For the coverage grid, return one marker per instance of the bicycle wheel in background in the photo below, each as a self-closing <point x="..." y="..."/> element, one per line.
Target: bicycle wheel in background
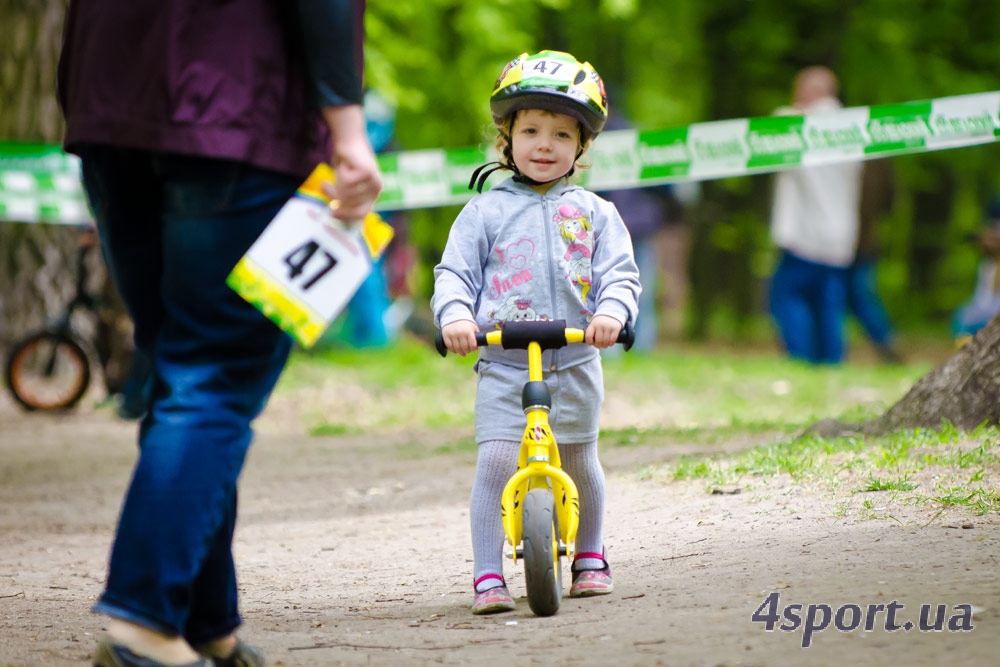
<point x="540" y="540"/>
<point x="47" y="371"/>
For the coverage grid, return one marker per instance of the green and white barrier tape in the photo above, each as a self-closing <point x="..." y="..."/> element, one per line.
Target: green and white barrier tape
<point x="40" y="183"/>
<point x="702" y="151"/>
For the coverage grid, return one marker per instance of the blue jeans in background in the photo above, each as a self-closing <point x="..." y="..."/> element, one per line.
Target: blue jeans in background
<point x="365" y="325"/>
<point x="864" y="303"/>
<point x="809" y="303"/>
<point x="172" y="227"/>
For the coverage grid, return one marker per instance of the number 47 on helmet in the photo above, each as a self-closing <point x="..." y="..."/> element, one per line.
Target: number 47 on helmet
<point x="554" y="81"/>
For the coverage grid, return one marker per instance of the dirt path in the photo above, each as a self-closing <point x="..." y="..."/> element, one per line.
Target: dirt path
<point x="355" y="551"/>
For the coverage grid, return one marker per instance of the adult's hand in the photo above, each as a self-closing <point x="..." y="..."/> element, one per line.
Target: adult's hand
<point x="358" y="179"/>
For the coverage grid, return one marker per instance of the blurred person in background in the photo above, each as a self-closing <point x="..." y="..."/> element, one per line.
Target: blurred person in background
<point x="814" y="224"/>
<point x="984" y="303"/>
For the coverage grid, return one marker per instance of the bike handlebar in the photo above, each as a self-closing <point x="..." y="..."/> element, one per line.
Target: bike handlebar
<point x="550" y="335"/>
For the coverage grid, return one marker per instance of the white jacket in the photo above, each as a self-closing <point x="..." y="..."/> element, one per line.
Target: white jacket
<point x="815" y="210"/>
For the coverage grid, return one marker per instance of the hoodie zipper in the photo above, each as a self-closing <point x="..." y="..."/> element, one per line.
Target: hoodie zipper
<point x="547" y="230"/>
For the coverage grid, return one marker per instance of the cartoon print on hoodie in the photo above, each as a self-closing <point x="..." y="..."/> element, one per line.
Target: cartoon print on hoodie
<point x="577" y="231"/>
<point x="515" y="261"/>
<point x="515" y="309"/>
<point x="523" y="256"/>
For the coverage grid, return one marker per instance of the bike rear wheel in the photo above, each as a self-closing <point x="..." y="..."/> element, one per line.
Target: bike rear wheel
<point x="47" y="371"/>
<point x="540" y="540"/>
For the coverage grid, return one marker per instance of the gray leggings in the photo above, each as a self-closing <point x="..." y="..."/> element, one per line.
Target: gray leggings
<point x="496" y="462"/>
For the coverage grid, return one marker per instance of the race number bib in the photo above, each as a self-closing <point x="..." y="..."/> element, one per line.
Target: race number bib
<point x="306" y="265"/>
<point x="539" y="71"/>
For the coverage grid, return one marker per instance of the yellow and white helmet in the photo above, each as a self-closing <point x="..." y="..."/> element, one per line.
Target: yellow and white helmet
<point x="554" y="81"/>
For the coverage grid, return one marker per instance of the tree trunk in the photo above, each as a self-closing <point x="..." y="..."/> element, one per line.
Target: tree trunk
<point x="34" y="282"/>
<point x="37" y="261"/>
<point x="963" y="391"/>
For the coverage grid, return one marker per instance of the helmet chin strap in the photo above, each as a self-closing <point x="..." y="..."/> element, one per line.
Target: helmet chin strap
<point x="481" y="173"/>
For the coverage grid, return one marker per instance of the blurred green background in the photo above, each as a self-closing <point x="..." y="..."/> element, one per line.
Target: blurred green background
<point x="683" y="61"/>
<point x="667" y="63"/>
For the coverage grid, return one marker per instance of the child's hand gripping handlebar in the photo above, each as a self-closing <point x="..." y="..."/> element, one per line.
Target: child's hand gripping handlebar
<point x="550" y="335"/>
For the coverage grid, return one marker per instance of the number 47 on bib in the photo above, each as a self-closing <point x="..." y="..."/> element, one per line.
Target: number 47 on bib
<point x="306" y="265"/>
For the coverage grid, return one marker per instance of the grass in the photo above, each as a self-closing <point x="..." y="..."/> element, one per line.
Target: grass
<point x="752" y="401"/>
<point x="407" y="386"/>
<point x="900" y="483"/>
<point x="944" y="468"/>
<point x="688" y="393"/>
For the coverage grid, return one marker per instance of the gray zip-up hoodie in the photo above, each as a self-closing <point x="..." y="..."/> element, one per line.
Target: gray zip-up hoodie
<point x="513" y="254"/>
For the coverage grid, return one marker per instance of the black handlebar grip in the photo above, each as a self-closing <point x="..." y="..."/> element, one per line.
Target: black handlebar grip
<point x="627" y="336"/>
<point x="443" y="349"/>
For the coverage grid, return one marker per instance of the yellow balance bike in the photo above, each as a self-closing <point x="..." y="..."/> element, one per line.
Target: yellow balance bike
<point x="540" y="505"/>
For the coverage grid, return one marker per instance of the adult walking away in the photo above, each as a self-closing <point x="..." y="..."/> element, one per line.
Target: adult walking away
<point x="814" y="223"/>
<point x="195" y="122"/>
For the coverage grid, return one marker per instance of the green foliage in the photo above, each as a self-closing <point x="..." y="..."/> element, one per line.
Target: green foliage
<point x="674" y="63"/>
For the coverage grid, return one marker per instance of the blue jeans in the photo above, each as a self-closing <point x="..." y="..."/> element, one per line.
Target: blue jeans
<point x="864" y="303"/>
<point x="809" y="303"/>
<point x="172" y="227"/>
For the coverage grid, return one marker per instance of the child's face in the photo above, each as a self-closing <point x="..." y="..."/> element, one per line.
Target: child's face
<point x="544" y="145"/>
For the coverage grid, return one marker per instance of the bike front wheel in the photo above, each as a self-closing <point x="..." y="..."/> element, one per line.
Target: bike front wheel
<point x="47" y="371"/>
<point x="540" y="540"/>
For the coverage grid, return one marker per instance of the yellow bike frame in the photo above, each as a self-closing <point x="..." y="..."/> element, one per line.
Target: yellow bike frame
<point x="538" y="464"/>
